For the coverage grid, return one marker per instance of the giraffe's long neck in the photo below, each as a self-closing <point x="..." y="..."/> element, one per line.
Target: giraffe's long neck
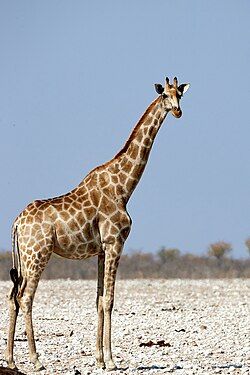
<point x="129" y="164"/>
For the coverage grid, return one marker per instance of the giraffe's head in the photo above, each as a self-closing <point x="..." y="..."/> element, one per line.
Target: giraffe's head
<point x="171" y="95"/>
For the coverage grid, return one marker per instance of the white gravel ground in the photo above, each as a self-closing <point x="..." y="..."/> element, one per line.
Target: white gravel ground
<point x="204" y="325"/>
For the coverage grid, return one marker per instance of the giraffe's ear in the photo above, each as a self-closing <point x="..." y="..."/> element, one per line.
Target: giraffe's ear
<point x="183" y="88"/>
<point x="158" y="88"/>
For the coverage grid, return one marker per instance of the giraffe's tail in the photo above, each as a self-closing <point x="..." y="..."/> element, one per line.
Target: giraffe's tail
<point x="15" y="278"/>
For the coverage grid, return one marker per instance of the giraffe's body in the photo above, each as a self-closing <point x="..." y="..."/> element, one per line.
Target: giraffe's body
<point x="90" y="220"/>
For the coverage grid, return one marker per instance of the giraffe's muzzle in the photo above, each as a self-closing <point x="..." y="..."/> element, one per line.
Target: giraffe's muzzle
<point x="177" y="112"/>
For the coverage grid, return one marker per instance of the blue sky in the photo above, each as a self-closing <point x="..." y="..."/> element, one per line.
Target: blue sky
<point x="75" y="78"/>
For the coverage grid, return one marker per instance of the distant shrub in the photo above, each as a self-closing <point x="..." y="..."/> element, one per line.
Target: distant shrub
<point x="219" y="249"/>
<point x="247" y="243"/>
<point x="168" y="254"/>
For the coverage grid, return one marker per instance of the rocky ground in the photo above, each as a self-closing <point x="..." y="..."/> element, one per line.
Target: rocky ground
<point x="159" y="326"/>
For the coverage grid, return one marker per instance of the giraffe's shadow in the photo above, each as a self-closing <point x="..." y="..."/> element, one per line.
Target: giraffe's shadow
<point x="227" y="366"/>
<point x="153" y="367"/>
<point x="144" y="368"/>
<point x="8" y="371"/>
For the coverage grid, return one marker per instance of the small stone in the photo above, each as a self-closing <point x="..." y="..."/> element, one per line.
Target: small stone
<point x="217" y="370"/>
<point x="203" y="327"/>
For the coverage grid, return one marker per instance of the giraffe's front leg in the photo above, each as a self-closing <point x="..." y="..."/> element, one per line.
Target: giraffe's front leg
<point x="112" y="256"/>
<point x="99" y="305"/>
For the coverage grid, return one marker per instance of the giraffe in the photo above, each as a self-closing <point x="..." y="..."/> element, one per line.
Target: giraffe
<point x="90" y="220"/>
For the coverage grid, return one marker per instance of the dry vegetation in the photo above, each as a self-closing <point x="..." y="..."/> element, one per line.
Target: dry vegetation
<point x="165" y="264"/>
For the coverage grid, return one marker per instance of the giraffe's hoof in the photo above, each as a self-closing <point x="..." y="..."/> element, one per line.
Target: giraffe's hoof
<point x="110" y="365"/>
<point x="12" y="366"/>
<point x="100" y="364"/>
<point x="39" y="366"/>
<point x="10" y="362"/>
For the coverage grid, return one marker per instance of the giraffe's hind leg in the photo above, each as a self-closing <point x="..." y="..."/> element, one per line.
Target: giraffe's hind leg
<point x="26" y="303"/>
<point x="32" y="274"/>
<point x="13" y="313"/>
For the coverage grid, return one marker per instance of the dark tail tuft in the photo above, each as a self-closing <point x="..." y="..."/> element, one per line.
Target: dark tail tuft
<point x="15" y="280"/>
<point x="14" y="276"/>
